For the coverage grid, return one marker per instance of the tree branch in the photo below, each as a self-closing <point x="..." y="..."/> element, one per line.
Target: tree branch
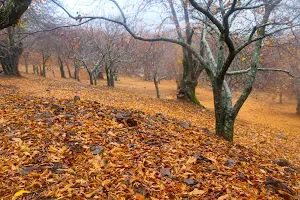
<point x="230" y="73"/>
<point x="155" y="39"/>
<point x="207" y="14"/>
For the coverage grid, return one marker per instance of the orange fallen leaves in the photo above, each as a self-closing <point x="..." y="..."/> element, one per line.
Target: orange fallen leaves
<point x="48" y="151"/>
<point x="196" y="192"/>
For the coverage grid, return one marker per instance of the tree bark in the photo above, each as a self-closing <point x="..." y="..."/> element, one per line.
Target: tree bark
<point x="45" y="59"/>
<point x="12" y="11"/>
<point x="91" y="76"/>
<point x="69" y="71"/>
<point x="189" y="82"/>
<point x="76" y="71"/>
<point x="35" y="70"/>
<point x="223" y="115"/>
<point x="10" y="54"/>
<point x="61" y="67"/>
<point x="95" y="78"/>
<point x="109" y="77"/>
<point x="10" y="61"/>
<point x="156" y="81"/>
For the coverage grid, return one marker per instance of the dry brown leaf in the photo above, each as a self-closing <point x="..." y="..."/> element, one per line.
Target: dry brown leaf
<point x="197" y="192"/>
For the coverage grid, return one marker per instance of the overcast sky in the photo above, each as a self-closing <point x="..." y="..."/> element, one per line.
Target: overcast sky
<point x="151" y="18"/>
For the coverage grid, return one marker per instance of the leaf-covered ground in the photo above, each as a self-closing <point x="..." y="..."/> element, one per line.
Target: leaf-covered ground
<point x="123" y="144"/>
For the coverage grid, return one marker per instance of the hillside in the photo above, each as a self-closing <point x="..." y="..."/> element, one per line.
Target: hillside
<point x="124" y="144"/>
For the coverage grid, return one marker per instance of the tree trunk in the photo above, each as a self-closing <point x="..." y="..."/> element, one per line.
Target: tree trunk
<point x="91" y="76"/>
<point x="61" y="67"/>
<point x="95" y="77"/>
<point x="10" y="61"/>
<point x="224" y="119"/>
<point x="69" y="71"/>
<point x="76" y="71"/>
<point x="34" y="69"/>
<point x="12" y="11"/>
<point x="109" y="77"/>
<point x="43" y="69"/>
<point x="156" y="81"/>
<point x="189" y="80"/>
<point x="10" y="53"/>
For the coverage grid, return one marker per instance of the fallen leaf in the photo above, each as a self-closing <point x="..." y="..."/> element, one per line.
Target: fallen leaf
<point x="223" y="197"/>
<point x="196" y="192"/>
<point x="20" y="193"/>
<point x="191" y="160"/>
<point x="106" y="182"/>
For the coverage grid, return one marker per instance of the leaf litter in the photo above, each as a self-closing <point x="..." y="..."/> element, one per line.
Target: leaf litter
<point x="59" y="148"/>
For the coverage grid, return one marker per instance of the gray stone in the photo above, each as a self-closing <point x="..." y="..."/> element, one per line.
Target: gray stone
<point x="76" y="98"/>
<point x="275" y="185"/>
<point x="190" y="182"/>
<point x="68" y="116"/>
<point x="97" y="150"/>
<point x="230" y="163"/>
<point x="165" y="172"/>
<point x="281" y="137"/>
<point x="242" y="176"/>
<point x="184" y="124"/>
<point x="132" y="145"/>
<point x="101" y="114"/>
<point x="26" y="170"/>
<point x="200" y="158"/>
<point x="282" y="162"/>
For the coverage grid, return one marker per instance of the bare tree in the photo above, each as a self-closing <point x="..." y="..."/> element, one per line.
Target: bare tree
<point x="86" y="51"/>
<point x="152" y="61"/>
<point x="116" y="48"/>
<point x="222" y="20"/>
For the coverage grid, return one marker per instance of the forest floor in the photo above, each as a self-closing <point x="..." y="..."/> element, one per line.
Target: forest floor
<point x="123" y="143"/>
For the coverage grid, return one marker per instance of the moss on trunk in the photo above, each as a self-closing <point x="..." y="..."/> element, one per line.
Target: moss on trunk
<point x="12" y="11"/>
